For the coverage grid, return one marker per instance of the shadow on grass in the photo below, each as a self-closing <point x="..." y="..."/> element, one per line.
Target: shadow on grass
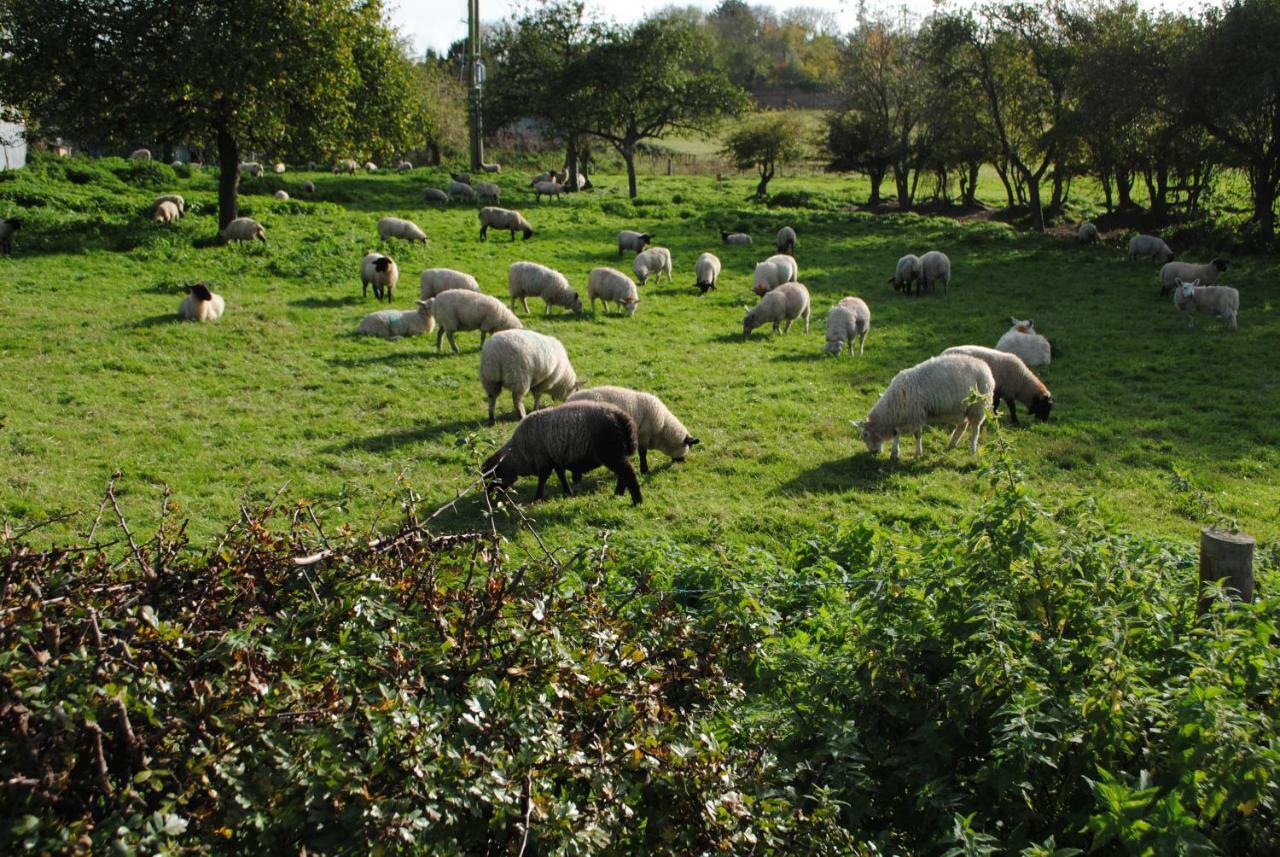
<point x="389" y="357"/>
<point x="401" y="437"/>
<point x="328" y="303"/>
<point x="806" y="357"/>
<point x="860" y="471"/>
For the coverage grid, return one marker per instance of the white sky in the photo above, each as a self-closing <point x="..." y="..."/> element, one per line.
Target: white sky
<point x="438" y="23"/>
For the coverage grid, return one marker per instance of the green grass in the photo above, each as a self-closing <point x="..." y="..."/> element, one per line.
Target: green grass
<point x="281" y="394"/>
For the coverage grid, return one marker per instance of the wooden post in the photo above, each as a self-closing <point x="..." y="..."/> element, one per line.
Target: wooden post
<point x="1224" y="554"/>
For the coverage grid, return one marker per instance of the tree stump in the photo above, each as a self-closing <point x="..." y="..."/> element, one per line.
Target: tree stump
<point x="1226" y="555"/>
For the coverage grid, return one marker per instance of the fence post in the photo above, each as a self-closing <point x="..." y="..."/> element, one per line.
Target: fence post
<point x="1224" y="554"/>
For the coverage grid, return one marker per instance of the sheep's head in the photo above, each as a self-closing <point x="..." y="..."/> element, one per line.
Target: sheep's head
<point x="576" y="304"/>
<point x="681" y="449"/>
<point x="1040" y="406"/>
<point x="501" y="472"/>
<point x="14" y="223"/>
<point x="1220" y="264"/>
<point x="873" y="440"/>
<point x="1185" y="290"/>
<point x="834" y="346"/>
<point x="749" y="322"/>
<point x="382" y="264"/>
<point x="1024" y="326"/>
<point x="528" y="232"/>
<point x="629" y="305"/>
<point x="200" y="291"/>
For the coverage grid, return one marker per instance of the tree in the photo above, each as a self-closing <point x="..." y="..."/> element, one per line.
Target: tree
<point x="858" y="144"/>
<point x="737" y="39"/>
<point x="764" y="142"/>
<point x="307" y="77"/>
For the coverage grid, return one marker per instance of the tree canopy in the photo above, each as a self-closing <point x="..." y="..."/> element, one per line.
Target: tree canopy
<point x="764" y="142"/>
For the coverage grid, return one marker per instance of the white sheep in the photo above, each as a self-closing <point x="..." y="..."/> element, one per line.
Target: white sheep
<point x="523" y="361"/>
<point x="434" y="194"/>
<point x="460" y="309"/>
<point x="201" y="304"/>
<point x="488" y="191"/>
<point x="346" y="165"/>
<point x="652" y="262"/>
<point x="953" y="387"/>
<point x="167" y="212"/>
<point x="775" y="271"/>
<point x="1207" y="274"/>
<point x="397" y="227"/>
<point x="252" y="168"/>
<point x="140" y="155"/>
<point x="786" y="241"/>
<point x="547" y="188"/>
<point x="846" y="321"/>
<point x="656" y="427"/>
<point x="1087" y="233"/>
<point x="404" y="167"/>
<point x="1222" y="301"/>
<point x="491" y="168"/>
<point x="460" y="190"/>
<point x="736" y="239"/>
<point x="935" y="267"/>
<point x="394" y="323"/>
<point x="1022" y="340"/>
<point x="381" y="272"/>
<point x="243" y="229"/>
<point x="503" y="218"/>
<point x="279" y="169"/>
<point x="629" y="239"/>
<point x="784" y="304"/>
<point x="176" y="199"/>
<point x="1014" y="381"/>
<point x="370" y="167"/>
<point x="906" y="273"/>
<point x="464" y="178"/>
<point x="1149" y="245"/>
<point x="437" y="281"/>
<point x="308" y="186"/>
<point x="706" y="271"/>
<point x="281" y="195"/>
<point x="610" y="284"/>
<point x="529" y="279"/>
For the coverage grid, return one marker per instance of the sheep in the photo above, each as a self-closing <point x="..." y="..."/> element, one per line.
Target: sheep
<point x="381" y="272"/>
<point x="1149" y="245"/>
<point x="175" y="163"/>
<point x="786" y="303"/>
<point x="1216" y="300"/>
<point x="706" y="270"/>
<point x="8" y="226"/>
<point x="346" y="165"/>
<point x="200" y="304"/>
<point x="243" y="229"/>
<point x="846" y="321"/>
<point x="176" y="199"/>
<point x="252" y="168"/>
<point x="489" y="191"/>
<point x="906" y="273"/>
<point x="940" y="388"/>
<point x="935" y="267"/>
<point x="575" y="437"/>
<point x="308" y="186"/>
<point x="1207" y="274"/>
<point x="396" y="227"/>
<point x="491" y="168"/>
<point x="437" y="281"/>
<point x="370" y="167"/>
<point x="629" y="239"/>
<point x="786" y="241"/>
<point x="1022" y="340"/>
<point x="166" y="212"/>
<point x="503" y="218"/>
<point x="775" y="271"/>
<point x="523" y="361"/>
<point x="460" y="309"/>
<point x="460" y="190"/>
<point x="140" y="155"/>
<point x="1088" y="233"/>
<point x="656" y="427"/>
<point x="279" y="169"/>
<point x="464" y="178"/>
<point x="529" y="279"/>
<point x="542" y="177"/>
<point x="1014" y="381"/>
<point x="433" y="194"/>
<point x="547" y="188"/>
<point x="652" y="262"/>
<point x="404" y="167"/>
<point x="610" y="284"/>
<point x="394" y="323"/>
<point x="736" y="239"/>
<point x="281" y="195"/>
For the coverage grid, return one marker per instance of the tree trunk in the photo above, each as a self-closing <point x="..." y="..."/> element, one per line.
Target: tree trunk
<point x="766" y="173"/>
<point x="876" y="177"/>
<point x="971" y="189"/>
<point x="1105" y="175"/>
<point x="1264" y="206"/>
<point x="629" y="156"/>
<point x="1003" y="173"/>
<point x="571" y="162"/>
<point x="228" y="177"/>
<point x="1124" y="185"/>
<point x="1033" y="197"/>
<point x="1059" y="174"/>
<point x="902" y="181"/>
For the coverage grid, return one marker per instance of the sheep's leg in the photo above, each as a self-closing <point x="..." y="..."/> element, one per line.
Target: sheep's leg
<point x="1013" y="410"/>
<point x="893" y="454"/>
<point x="644" y="459"/>
<point x="919" y="441"/>
<point x="517" y="397"/>
<point x="452" y="344"/>
<point x="484" y="232"/>
<point x="524" y="301"/>
<point x="975" y="429"/>
<point x="626" y="479"/>
<point x="537" y="400"/>
<point x="492" y="390"/>
<point x="786" y="327"/>
<point x="542" y="483"/>
<point x="365" y="291"/>
<point x="862" y="342"/>
<point x="440" y="340"/>
<point x="564" y="483"/>
<point x="959" y="430"/>
<point x="806" y="328"/>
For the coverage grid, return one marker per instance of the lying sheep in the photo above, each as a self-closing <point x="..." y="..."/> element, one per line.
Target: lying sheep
<point x="166" y="212"/>
<point x="784" y="304"/>
<point x="652" y="262"/>
<point x="1022" y="340"/>
<point x="547" y="188"/>
<point x="251" y="168"/>
<point x="1088" y="233"/>
<point x="8" y="227"/>
<point x="1149" y="245"/>
<point x="575" y="437"/>
<point x="243" y="229"/>
<point x="1222" y="301"/>
<point x="437" y="281"/>
<point x="488" y="191"/>
<point x="935" y="267"/>
<point x="201" y="304"/>
<point x="370" y="167"/>
<point x="140" y="155"/>
<point x="460" y="309"/>
<point x="706" y="271"/>
<point x="382" y="273"/>
<point x="953" y="387"/>
<point x="279" y="169"/>
<point x="394" y="323"/>
<point x="610" y="284"/>
<point x="308" y="186"/>
<point x="503" y="218"/>
<point x="629" y="239"/>
<point x="460" y="190"/>
<point x="281" y="195"/>
<point x="737" y="239"/>
<point x="1207" y="274"/>
<point x="397" y="227"/>
<point x="404" y="167"/>
<point x="176" y="199"/>
<point x="1014" y="381"/>
<point x="529" y="279"/>
<point x="906" y="273"/>
<point x="656" y="427"/>
<point x="433" y="194"/>
<point x="346" y="165"/>
<point x="523" y="361"/>
<point x="786" y="241"/>
<point x="846" y="321"/>
<point x="775" y="271"/>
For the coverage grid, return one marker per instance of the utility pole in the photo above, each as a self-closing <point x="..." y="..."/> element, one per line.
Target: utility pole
<point x="475" y="79"/>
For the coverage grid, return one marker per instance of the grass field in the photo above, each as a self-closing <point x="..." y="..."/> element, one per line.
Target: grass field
<point x="1159" y="424"/>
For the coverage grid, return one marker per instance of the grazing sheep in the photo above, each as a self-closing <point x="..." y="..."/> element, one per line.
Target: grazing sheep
<point x="404" y="167"/>
<point x="503" y="218"/>
<point x="460" y="190"/>
<point x="706" y="271"/>
<point x="1207" y="274"/>
<point x="381" y="272"/>
<point x="775" y="271"/>
<point x="308" y="186"/>
<point x="167" y="212"/>
<point x="786" y="303"/>
<point x="7" y="227"/>
<point x="464" y="178"/>
<point x="140" y="155"/>
<point x="1014" y="381"/>
<point x="394" y="323"/>
<point x="652" y="262"/>
<point x="907" y="272"/>
<point x="547" y="188"/>
<point x="396" y="227"/>
<point x="523" y="361"/>
<point x="433" y="194"/>
<point x="1149" y="245"/>
<point x="488" y="191"/>
<point x="529" y="279"/>
<point x="656" y="427"/>
<point x="460" y="309"/>
<point x="1216" y="300"/>
<point x="1022" y="340"/>
<point x="786" y="241"/>
<point x="491" y="168"/>
<point x="279" y="168"/>
<point x="200" y="304"/>
<point x="737" y="239"/>
<point x="575" y="437"/>
<point x="846" y="321"/>
<point x="610" y="284"/>
<point x="1088" y="233"/>
<point x="370" y="167"/>
<point x="243" y="229"/>
<point x="346" y="165"/>
<point x="629" y="239"/>
<point x="939" y="389"/>
<point x="281" y="195"/>
<point x="437" y="281"/>
<point x="252" y="168"/>
<point x="935" y="267"/>
<point x="176" y="199"/>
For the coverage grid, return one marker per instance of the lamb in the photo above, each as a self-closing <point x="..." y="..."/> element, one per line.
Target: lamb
<point x="907" y="272"/>
<point x="629" y="239"/>
<point x="140" y="155"/>
<point x="252" y="168"/>
<point x="1014" y="381"/>
<point x="848" y="320"/>
<point x="610" y="284"/>
<point x="547" y="188"/>
<point x="1207" y="274"/>
<point x="281" y="195"/>
<point x="706" y="270"/>
<point x="243" y="229"/>
<point x="396" y="227"/>
<point x="491" y="168"/>
<point x="381" y="272"/>
<point x="523" y="361"/>
<point x="503" y="218"/>
<point x="737" y="239"/>
<point x="460" y="190"/>
<point x="394" y="323"/>
<point x="404" y="167"/>
<point x="279" y="169"/>
<point x="166" y="212"/>
<point x="370" y="166"/>
<point x="1088" y="233"/>
<point x="575" y="437"/>
<point x="1149" y="245"/>
<point x="346" y="165"/>
<point x="460" y="309"/>
<point x="775" y="271"/>
<point x="489" y="191"/>
<point x="1022" y="340"/>
<point x="529" y="279"/>
<point x="786" y="303"/>
<point x="433" y="194"/>
<point x="7" y="228"/>
<point x="935" y="267"/>
<point x="437" y="281"/>
<point x="1216" y="300"/>
<point x="656" y="427"/>
<point x="652" y="262"/>
<point x="175" y="199"/>
<point x="786" y="241"/>
<point x="200" y="304"/>
<point x="308" y="186"/>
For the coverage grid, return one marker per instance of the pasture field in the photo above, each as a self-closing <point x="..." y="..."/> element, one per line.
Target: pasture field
<point x="1163" y="427"/>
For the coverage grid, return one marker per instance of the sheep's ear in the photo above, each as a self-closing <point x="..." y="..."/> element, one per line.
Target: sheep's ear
<point x="424" y="304"/>
<point x="1195" y="283"/>
<point x="860" y="424"/>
